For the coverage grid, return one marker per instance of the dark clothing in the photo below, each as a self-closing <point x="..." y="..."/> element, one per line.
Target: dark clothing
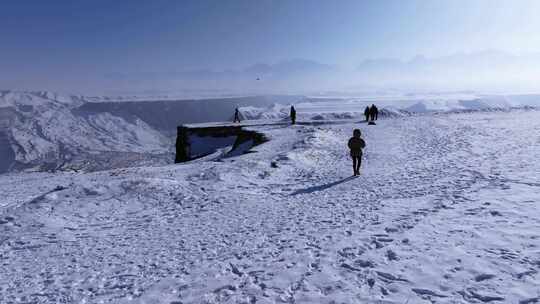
<point x="357" y="161"/>
<point x="356" y="144"/>
<point x="366" y="113"/>
<point x="374" y="112"/>
<point x="293" y="115"/>
<point x="236" y="116"/>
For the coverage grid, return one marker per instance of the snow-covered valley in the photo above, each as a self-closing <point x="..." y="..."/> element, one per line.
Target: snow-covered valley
<point x="445" y="211"/>
<point x="45" y="131"/>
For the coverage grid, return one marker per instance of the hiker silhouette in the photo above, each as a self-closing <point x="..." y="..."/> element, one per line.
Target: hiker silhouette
<point x="356" y="144"/>
<point x="373" y="112"/>
<point x="293" y="115"/>
<point x="366" y="113"/>
<point x="236" y="115"/>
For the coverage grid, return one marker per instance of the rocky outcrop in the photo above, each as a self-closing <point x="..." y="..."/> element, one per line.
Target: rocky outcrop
<point x="195" y="142"/>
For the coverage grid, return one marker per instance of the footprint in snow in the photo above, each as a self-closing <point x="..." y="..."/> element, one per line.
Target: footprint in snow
<point x="364" y="264"/>
<point x="388" y="277"/>
<point x="530" y="300"/>
<point x="391" y="229"/>
<point x="426" y="292"/>
<point x="483" y="277"/>
<point x="471" y="294"/>
<point x="391" y="255"/>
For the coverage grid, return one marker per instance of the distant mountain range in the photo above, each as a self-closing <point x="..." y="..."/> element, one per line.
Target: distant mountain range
<point x="488" y="71"/>
<point x="286" y="77"/>
<point x="485" y="71"/>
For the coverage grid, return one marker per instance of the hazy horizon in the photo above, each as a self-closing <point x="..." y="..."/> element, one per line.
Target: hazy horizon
<point x="265" y="47"/>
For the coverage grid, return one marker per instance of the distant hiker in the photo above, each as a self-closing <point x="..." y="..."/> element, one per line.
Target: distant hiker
<point x="293" y="115"/>
<point x="236" y="115"/>
<point x="356" y="144"/>
<point x="373" y="112"/>
<point x="366" y="113"/>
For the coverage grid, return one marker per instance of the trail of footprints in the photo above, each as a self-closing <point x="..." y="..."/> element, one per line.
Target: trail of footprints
<point x="298" y="247"/>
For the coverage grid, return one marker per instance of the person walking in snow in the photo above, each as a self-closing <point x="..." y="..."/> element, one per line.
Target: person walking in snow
<point x="356" y="144"/>
<point x="293" y="115"/>
<point x="236" y="116"/>
<point x="366" y="113"/>
<point x="373" y="112"/>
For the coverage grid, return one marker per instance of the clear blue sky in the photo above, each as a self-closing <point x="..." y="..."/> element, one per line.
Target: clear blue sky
<point x="59" y="42"/>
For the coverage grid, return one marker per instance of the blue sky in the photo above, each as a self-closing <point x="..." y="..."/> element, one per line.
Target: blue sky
<point x="63" y="44"/>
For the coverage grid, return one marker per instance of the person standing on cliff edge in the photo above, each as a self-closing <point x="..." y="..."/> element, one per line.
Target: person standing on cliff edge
<point x="236" y="116"/>
<point x="293" y="115"/>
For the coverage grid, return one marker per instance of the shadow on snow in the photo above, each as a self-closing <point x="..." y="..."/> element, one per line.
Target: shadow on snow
<point x="322" y="187"/>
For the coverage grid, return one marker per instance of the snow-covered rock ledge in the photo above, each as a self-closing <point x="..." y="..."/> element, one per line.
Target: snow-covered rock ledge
<point x="196" y="141"/>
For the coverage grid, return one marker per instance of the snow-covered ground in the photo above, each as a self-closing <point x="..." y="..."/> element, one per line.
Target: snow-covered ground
<point x="446" y="211"/>
<point x="46" y="131"/>
<point x="313" y="108"/>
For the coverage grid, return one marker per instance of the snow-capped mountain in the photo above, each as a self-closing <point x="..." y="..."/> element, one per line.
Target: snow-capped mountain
<point x="46" y="130"/>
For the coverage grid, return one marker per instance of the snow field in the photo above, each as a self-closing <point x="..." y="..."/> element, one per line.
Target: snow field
<point x="445" y="211"/>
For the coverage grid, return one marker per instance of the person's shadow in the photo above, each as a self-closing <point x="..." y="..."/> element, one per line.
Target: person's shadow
<point x="322" y="187"/>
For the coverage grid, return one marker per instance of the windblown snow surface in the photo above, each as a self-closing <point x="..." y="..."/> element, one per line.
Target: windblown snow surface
<point x="446" y="210"/>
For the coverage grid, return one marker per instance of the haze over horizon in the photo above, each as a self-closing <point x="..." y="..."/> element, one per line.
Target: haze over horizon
<point x="247" y="47"/>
